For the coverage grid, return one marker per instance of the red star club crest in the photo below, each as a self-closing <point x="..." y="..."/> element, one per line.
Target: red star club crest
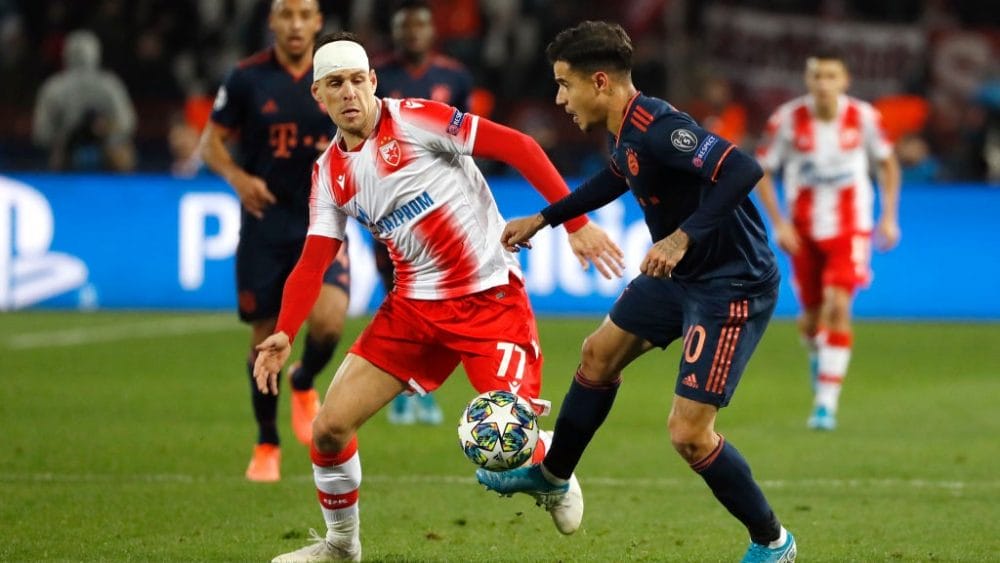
<point x="390" y="152"/>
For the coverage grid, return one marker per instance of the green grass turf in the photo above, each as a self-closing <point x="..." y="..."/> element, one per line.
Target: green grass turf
<point x="132" y="446"/>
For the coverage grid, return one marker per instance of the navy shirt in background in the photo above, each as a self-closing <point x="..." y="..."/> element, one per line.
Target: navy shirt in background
<point x="440" y="78"/>
<point x="281" y="131"/>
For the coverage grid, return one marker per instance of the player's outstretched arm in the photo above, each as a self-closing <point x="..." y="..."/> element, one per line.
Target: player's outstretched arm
<point x="517" y="232"/>
<point x="512" y="147"/>
<point x="590" y="244"/>
<point x="301" y="290"/>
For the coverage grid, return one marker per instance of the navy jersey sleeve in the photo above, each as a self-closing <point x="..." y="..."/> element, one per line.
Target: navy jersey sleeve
<point x="681" y="144"/>
<point x="229" y="108"/>
<point x="601" y="189"/>
<point x="729" y="174"/>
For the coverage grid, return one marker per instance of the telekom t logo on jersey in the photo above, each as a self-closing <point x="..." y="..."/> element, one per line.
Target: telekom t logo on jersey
<point x="29" y="271"/>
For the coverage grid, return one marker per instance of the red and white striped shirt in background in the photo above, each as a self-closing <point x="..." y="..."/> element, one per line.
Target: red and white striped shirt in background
<point x="826" y="164"/>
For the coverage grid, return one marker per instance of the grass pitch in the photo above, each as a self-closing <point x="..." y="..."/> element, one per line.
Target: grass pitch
<point x="124" y="436"/>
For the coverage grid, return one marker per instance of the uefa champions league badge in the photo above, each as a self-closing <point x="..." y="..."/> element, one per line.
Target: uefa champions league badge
<point x="683" y="140"/>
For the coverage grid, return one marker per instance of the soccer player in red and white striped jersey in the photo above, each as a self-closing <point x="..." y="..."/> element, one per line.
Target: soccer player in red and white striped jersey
<point x="405" y="170"/>
<point x="825" y="143"/>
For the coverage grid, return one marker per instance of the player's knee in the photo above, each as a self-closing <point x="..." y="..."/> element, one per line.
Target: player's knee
<point x="840" y="315"/>
<point x="331" y="435"/>
<point x="327" y="332"/>
<point x="808" y="324"/>
<point x="689" y="439"/>
<point x="594" y="362"/>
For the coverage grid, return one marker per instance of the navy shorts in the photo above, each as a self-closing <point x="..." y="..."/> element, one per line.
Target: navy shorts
<point x="721" y="323"/>
<point x="261" y="271"/>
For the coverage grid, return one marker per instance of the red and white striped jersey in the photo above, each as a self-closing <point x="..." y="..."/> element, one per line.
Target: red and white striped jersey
<point x="414" y="185"/>
<point x="827" y="178"/>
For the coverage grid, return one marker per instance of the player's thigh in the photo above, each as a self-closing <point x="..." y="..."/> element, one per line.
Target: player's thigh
<point x="807" y="273"/>
<point x="358" y="390"/>
<point x="848" y="262"/>
<point x="650" y="309"/>
<point x="326" y="320"/>
<point x="400" y="341"/>
<point x="609" y="349"/>
<point x="261" y="270"/>
<point x="720" y="335"/>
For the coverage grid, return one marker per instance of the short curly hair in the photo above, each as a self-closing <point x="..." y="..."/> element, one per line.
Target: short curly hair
<point x="592" y="46"/>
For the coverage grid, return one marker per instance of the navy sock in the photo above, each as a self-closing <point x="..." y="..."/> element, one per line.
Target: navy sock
<point x="729" y="477"/>
<point x="315" y="357"/>
<point x="583" y="411"/>
<point x="265" y="410"/>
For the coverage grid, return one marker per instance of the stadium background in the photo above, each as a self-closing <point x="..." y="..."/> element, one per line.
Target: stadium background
<point x="929" y="66"/>
<point x="124" y="434"/>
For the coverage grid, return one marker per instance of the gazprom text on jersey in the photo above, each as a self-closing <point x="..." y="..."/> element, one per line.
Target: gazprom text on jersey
<point x="404" y="213"/>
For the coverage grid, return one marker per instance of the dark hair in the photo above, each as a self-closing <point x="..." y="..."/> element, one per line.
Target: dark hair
<point x="335" y="36"/>
<point x="592" y="46"/>
<point x="829" y="53"/>
<point x="411" y="5"/>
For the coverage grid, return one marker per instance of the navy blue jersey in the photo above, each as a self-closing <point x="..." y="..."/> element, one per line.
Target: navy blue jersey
<point x="441" y="79"/>
<point x="683" y="177"/>
<point x="281" y="129"/>
<point x="670" y="164"/>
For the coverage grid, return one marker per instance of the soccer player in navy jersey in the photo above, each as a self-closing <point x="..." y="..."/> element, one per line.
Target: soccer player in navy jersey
<point x="266" y="105"/>
<point x="414" y="70"/>
<point x="709" y="278"/>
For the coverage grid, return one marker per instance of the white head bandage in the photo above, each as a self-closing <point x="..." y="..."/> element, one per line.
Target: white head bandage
<point x="339" y="55"/>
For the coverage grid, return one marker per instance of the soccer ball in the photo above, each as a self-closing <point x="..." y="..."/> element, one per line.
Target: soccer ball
<point x="498" y="430"/>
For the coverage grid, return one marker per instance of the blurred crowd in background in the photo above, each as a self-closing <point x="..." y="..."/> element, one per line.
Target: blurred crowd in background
<point x="143" y="73"/>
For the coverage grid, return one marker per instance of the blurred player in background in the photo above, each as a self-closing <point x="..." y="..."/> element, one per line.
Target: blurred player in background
<point x="710" y="279"/>
<point x="824" y="142"/>
<point x="84" y="116"/>
<point x="266" y="104"/>
<point x="413" y="70"/>
<point x="404" y="169"/>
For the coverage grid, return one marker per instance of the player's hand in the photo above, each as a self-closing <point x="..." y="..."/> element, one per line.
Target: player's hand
<point x="663" y="257"/>
<point x="787" y="238"/>
<point x="886" y="234"/>
<point x="591" y="244"/>
<point x="518" y="232"/>
<point x="253" y="193"/>
<point x="271" y="356"/>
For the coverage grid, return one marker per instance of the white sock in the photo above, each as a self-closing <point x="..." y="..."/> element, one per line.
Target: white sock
<point x="834" y="356"/>
<point x="782" y="538"/>
<point x="337" y="488"/>
<point x="545" y="437"/>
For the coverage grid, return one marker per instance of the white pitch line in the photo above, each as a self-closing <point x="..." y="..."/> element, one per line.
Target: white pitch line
<point x="465" y="480"/>
<point x="105" y="333"/>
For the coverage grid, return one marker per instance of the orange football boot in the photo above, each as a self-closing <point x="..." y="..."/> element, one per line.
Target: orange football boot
<point x="305" y="406"/>
<point x="265" y="465"/>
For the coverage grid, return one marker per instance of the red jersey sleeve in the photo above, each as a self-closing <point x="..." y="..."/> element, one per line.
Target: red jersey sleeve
<point x="497" y="142"/>
<point x="303" y="284"/>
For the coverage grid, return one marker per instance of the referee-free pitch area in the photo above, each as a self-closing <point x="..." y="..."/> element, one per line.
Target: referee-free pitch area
<point x="124" y="436"/>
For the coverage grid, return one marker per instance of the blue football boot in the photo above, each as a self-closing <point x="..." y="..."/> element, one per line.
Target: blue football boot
<point x="785" y="553"/>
